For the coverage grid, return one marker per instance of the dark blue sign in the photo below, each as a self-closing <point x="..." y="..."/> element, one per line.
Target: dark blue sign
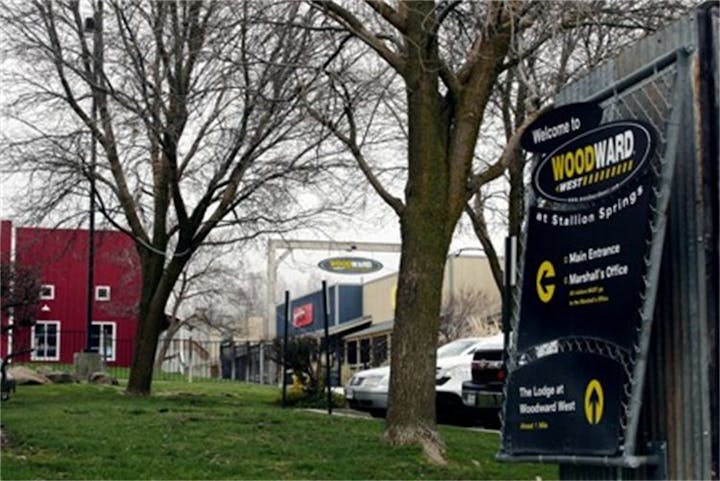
<point x="565" y="403"/>
<point x="584" y="271"/>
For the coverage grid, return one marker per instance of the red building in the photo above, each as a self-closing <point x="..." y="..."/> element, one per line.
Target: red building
<point x="61" y="258"/>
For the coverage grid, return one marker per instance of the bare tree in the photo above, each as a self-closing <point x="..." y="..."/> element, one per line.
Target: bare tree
<point x="193" y="108"/>
<point x="447" y="57"/>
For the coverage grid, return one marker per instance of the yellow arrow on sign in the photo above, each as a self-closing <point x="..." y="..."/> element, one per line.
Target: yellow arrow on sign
<point x="543" y="281"/>
<point x="594" y="402"/>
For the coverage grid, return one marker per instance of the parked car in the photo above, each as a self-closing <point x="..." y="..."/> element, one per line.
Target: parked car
<point x="368" y="390"/>
<point x="483" y="393"/>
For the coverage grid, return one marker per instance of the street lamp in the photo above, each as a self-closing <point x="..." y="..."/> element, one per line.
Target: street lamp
<point x="91" y="27"/>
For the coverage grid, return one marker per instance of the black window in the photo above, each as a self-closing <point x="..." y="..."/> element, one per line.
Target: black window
<point x="379" y="350"/>
<point x="46" y="341"/>
<point x="102" y="340"/>
<point x="102" y="293"/>
<point x="365" y="351"/>
<point x="47" y="292"/>
<point x="352" y="352"/>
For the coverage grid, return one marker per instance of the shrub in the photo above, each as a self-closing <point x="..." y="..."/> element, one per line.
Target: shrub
<point x="305" y="399"/>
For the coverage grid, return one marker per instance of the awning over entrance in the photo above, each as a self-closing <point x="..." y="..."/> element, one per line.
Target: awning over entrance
<point x="345" y="327"/>
<point x="379" y="328"/>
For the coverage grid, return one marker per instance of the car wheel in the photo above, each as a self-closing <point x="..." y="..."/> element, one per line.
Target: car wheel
<point x="377" y="413"/>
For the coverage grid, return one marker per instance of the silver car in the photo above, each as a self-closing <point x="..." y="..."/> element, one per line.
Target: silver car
<point x="368" y="390"/>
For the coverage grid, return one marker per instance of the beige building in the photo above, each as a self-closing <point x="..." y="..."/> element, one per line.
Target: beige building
<point x="462" y="274"/>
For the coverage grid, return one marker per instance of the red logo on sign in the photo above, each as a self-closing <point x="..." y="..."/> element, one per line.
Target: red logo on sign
<point x="303" y="315"/>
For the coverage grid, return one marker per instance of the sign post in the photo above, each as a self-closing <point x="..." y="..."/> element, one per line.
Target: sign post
<point x="509" y="285"/>
<point x="284" y="348"/>
<point x="326" y="316"/>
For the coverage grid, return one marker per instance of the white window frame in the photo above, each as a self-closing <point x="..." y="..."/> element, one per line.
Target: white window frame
<point x="97" y="293"/>
<point x="50" y="296"/>
<point x="101" y="339"/>
<point x="33" y="354"/>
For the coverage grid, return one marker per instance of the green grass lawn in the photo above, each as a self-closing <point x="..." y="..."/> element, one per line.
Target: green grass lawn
<point x="217" y="431"/>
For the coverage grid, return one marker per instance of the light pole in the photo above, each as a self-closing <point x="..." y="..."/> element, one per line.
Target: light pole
<point x="91" y="27"/>
<point x="89" y="361"/>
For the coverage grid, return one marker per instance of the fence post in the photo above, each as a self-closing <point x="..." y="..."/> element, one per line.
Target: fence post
<point x="326" y="309"/>
<point x="190" y="359"/>
<point x="284" y="349"/>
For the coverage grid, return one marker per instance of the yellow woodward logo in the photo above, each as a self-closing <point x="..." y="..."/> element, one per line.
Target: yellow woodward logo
<point x="594" y="162"/>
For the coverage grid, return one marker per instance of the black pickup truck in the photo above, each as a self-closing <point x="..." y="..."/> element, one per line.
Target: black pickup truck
<point x="484" y="393"/>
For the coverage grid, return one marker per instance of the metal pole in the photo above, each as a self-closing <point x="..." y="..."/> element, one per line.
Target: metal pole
<point x="261" y="364"/>
<point x="326" y="308"/>
<point x="284" y="349"/>
<point x="92" y="27"/>
<point x="510" y="266"/>
<point x="190" y="358"/>
<point x="339" y="352"/>
<point x="248" y="357"/>
<point x="233" y="367"/>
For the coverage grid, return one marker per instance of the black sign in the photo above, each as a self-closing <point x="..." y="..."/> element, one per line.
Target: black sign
<point x="596" y="163"/>
<point x="583" y="271"/>
<point x="560" y="125"/>
<point x="566" y="403"/>
<point x="350" y="265"/>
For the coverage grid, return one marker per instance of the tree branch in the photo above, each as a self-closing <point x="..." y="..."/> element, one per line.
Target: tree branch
<point x="388" y="13"/>
<point x="496" y="169"/>
<point x="480" y="227"/>
<point x="350" y="142"/>
<point x="355" y="26"/>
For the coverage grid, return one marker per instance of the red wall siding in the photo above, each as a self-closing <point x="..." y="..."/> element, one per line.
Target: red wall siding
<point x="62" y="255"/>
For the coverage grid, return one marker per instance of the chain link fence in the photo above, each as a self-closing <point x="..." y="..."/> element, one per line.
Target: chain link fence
<point x="185" y="358"/>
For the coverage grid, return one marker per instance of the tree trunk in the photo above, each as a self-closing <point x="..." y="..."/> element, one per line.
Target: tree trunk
<point x="426" y="235"/>
<point x="157" y="286"/>
<point x="412" y="379"/>
<point x="146" y="339"/>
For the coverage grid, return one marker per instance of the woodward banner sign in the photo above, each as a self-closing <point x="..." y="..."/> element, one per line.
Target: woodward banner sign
<point x="586" y="238"/>
<point x="350" y="265"/>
